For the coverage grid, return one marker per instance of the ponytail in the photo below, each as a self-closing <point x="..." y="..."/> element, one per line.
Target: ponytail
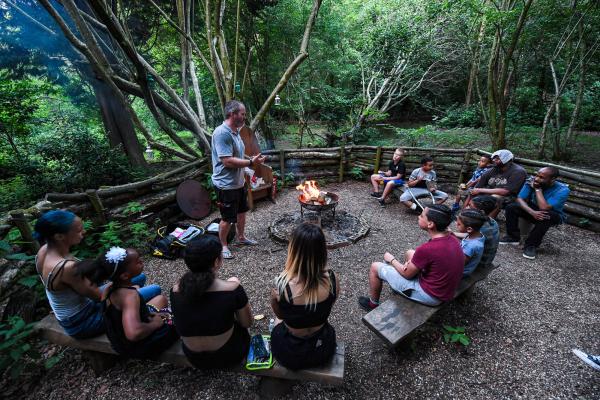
<point x="199" y="256"/>
<point x="193" y="285"/>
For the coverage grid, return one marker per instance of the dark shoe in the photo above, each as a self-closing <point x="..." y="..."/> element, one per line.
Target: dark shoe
<point x="419" y="209"/>
<point x="530" y="252"/>
<point x="365" y="303"/>
<point x="376" y="194"/>
<point x="509" y="240"/>
<point x="381" y="202"/>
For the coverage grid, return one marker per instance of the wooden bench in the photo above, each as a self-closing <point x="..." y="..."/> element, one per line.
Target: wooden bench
<point x="274" y="382"/>
<point x="399" y="316"/>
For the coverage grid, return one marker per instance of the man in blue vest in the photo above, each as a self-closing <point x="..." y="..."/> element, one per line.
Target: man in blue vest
<point x="540" y="201"/>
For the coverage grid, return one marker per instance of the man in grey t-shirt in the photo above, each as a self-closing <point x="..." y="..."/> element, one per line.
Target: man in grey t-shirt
<point x="417" y="186"/>
<point x="228" y="174"/>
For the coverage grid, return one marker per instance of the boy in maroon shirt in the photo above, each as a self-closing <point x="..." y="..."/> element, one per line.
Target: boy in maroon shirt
<point x="430" y="274"/>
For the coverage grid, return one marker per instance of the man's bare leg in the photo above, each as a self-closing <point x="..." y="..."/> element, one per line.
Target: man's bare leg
<point x="241" y="225"/>
<point x="224" y="227"/>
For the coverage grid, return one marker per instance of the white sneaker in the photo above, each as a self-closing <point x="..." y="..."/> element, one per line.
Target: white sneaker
<point x="592" y="361"/>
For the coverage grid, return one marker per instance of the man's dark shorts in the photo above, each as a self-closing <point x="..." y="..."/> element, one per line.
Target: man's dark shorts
<point x="231" y="203"/>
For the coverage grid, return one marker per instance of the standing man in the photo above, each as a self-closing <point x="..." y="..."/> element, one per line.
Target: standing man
<point x="540" y="201"/>
<point x="228" y="164"/>
<point x="503" y="181"/>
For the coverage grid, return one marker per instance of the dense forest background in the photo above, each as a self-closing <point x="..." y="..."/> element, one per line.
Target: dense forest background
<point x="90" y="89"/>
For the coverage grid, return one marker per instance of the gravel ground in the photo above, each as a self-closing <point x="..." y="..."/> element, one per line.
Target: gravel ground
<point x="523" y="321"/>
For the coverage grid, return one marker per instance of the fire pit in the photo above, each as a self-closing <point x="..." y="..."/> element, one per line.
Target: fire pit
<point x="314" y="199"/>
<point x="319" y="207"/>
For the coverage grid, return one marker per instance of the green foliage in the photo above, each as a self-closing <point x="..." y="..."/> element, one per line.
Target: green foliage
<point x="140" y="235"/>
<point x="357" y="173"/>
<point x="97" y="240"/>
<point x="289" y="179"/>
<point x="110" y="236"/>
<point x="208" y="185"/>
<point x="456" y="335"/>
<point x="17" y="348"/>
<point x="133" y="207"/>
<point x="459" y="116"/>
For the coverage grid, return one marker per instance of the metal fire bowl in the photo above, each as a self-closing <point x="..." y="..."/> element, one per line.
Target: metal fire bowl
<point x="321" y="207"/>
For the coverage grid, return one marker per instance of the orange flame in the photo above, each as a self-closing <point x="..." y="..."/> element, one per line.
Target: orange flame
<point x="310" y="191"/>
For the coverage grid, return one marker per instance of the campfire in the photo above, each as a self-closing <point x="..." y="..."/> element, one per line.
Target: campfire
<point x="314" y="199"/>
<point x="311" y="194"/>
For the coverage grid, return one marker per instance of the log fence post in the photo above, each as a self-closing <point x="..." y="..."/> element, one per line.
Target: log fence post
<point x="18" y="219"/>
<point x="342" y="160"/>
<point x="377" y="160"/>
<point x="92" y="195"/>
<point x="464" y="168"/>
<point x="282" y="165"/>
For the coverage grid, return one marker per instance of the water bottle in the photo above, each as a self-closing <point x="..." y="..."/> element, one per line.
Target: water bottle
<point x="271" y="325"/>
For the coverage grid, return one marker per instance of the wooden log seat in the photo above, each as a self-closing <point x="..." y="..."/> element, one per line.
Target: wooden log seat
<point x="275" y="381"/>
<point x="399" y="316"/>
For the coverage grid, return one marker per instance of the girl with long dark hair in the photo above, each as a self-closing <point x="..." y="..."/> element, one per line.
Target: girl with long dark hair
<point x="212" y="315"/>
<point x="135" y="327"/>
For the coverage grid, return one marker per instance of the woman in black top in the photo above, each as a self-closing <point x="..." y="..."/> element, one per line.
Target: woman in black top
<point x="302" y="300"/>
<point x="211" y="315"/>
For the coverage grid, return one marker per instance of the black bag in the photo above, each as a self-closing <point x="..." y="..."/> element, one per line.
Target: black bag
<point x="171" y="239"/>
<point x="212" y="230"/>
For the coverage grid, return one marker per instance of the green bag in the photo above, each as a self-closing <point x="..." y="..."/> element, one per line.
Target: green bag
<point x="259" y="355"/>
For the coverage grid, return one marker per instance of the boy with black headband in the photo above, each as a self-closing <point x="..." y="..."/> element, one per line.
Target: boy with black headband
<point x="430" y="274"/>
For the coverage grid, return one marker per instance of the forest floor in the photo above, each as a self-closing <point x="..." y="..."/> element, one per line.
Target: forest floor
<point x="523" y="320"/>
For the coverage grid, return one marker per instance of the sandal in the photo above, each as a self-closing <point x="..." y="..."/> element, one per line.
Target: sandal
<point x="227" y="254"/>
<point x="245" y="242"/>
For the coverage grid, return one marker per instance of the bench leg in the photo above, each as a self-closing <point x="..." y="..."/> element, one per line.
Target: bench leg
<point x="100" y="362"/>
<point x="271" y="388"/>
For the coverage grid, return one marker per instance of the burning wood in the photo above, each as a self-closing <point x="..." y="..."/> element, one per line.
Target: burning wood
<point x="312" y="194"/>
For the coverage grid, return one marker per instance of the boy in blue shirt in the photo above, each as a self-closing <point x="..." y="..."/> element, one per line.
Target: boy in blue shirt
<point x="470" y="222"/>
<point x="540" y="201"/>
<point x="483" y="165"/>
<point x="490" y="230"/>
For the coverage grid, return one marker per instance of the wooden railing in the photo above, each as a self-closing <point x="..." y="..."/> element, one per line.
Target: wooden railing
<point x="453" y="166"/>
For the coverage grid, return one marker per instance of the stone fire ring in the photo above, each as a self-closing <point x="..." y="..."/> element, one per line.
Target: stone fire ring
<point x="345" y="230"/>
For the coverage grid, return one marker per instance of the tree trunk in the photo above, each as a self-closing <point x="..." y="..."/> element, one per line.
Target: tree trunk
<point x="500" y="75"/>
<point x="569" y="141"/>
<point x="475" y="63"/>
<point x="118" y="124"/>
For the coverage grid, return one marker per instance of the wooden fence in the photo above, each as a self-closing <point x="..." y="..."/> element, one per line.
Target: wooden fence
<point x="453" y="166"/>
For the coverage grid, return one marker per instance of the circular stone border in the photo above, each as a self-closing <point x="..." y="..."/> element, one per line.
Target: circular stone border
<point x="281" y="228"/>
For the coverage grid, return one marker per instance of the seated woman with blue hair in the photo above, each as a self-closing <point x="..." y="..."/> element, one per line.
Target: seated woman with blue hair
<point x="72" y="287"/>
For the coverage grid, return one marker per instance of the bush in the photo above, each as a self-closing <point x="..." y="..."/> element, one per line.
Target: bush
<point x="64" y="162"/>
<point x="461" y="116"/>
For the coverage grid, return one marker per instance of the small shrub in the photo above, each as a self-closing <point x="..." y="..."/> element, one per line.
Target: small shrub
<point x="18" y="349"/>
<point x="456" y="335"/>
<point x="357" y="173"/>
<point x="133" y="207"/>
<point x="289" y="179"/>
<point x="461" y="116"/>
